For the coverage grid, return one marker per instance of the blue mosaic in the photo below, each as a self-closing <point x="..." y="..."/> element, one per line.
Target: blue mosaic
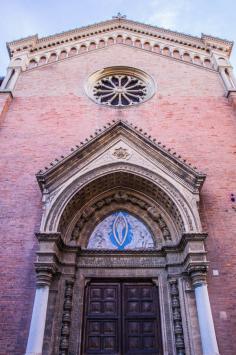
<point x="121" y="231"/>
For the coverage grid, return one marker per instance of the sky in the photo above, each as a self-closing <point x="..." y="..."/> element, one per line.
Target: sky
<point x="22" y="18"/>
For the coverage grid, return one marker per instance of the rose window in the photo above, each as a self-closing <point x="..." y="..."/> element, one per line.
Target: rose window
<point x="120" y="90"/>
<point x="120" y="87"/>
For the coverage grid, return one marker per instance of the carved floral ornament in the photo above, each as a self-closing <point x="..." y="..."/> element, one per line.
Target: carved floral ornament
<point x="121" y="153"/>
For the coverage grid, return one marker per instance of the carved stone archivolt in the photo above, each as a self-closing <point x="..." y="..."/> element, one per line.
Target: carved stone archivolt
<point x="128" y="178"/>
<point x="126" y="181"/>
<point x="125" y="198"/>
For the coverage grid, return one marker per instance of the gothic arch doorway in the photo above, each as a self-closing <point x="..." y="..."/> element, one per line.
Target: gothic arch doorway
<point x="121" y="210"/>
<point x="119" y="231"/>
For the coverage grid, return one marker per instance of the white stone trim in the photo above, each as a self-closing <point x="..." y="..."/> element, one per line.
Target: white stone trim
<point x="38" y="321"/>
<point x="207" y="330"/>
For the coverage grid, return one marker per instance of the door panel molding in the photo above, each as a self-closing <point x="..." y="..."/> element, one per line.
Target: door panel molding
<point x="121" y="317"/>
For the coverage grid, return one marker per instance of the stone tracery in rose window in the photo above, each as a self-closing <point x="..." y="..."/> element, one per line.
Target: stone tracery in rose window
<point x="120" y="90"/>
<point x="120" y="86"/>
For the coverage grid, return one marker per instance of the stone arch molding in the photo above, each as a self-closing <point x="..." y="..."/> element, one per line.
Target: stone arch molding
<point x="121" y="157"/>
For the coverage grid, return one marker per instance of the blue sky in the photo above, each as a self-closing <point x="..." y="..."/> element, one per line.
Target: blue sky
<point x="21" y="18"/>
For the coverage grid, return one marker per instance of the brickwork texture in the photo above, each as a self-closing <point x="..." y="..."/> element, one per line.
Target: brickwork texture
<point x="50" y="113"/>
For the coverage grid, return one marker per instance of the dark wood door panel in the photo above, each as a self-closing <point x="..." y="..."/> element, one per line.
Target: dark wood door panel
<point x="140" y="314"/>
<point x="102" y="319"/>
<point x="103" y="299"/>
<point x="102" y="337"/>
<point x="121" y="318"/>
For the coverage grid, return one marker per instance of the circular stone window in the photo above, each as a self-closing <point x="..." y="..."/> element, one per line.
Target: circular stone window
<point x="120" y="87"/>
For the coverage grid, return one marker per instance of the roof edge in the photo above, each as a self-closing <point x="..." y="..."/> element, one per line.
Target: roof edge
<point x="37" y="39"/>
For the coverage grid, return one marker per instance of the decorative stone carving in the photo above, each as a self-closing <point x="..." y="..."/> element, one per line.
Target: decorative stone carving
<point x="177" y="319"/>
<point x="133" y="181"/>
<point x="102" y="172"/>
<point x="66" y="318"/>
<point x="122" y="197"/>
<point x="162" y="224"/>
<point x="121" y="153"/>
<point x="44" y="273"/>
<point x="198" y="274"/>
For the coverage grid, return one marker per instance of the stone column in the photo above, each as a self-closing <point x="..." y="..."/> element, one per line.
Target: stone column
<point x="38" y="320"/>
<point x="206" y="325"/>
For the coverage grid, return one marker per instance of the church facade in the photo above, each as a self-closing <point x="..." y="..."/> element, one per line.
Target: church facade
<point x="118" y="193"/>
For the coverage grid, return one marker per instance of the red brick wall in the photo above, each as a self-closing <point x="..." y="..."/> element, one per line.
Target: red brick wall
<point x="50" y="113"/>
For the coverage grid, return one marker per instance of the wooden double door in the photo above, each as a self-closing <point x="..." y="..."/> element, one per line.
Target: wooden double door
<point x="121" y="318"/>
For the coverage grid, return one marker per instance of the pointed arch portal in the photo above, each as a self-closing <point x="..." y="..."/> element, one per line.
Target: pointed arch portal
<point x="121" y="252"/>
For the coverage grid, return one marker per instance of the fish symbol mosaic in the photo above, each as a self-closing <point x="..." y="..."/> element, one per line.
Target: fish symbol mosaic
<point x="121" y="230"/>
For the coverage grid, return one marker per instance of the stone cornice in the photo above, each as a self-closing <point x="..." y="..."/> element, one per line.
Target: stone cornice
<point x="34" y="43"/>
<point x="175" y="248"/>
<point x="211" y="40"/>
<point x="188" y="257"/>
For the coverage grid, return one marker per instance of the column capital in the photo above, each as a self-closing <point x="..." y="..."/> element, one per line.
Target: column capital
<point x="44" y="273"/>
<point x="198" y="274"/>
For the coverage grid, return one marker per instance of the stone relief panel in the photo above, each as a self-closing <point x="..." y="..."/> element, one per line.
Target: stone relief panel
<point x="119" y="231"/>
